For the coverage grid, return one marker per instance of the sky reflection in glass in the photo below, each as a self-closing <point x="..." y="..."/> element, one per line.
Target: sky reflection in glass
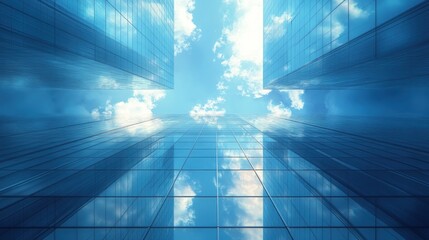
<point x="191" y="180"/>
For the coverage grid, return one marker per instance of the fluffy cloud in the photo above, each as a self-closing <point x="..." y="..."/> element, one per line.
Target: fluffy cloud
<point x="279" y="110"/>
<point x="337" y="28"/>
<point x="184" y="215"/>
<point x="209" y="112"/>
<point x="221" y="87"/>
<point x="353" y="10"/>
<point x="106" y="112"/>
<point x="95" y="114"/>
<point x="240" y="48"/>
<point x="185" y="30"/>
<point x="276" y="28"/>
<point x="249" y="211"/>
<point x="295" y="98"/>
<point x="107" y="83"/>
<point x="137" y="108"/>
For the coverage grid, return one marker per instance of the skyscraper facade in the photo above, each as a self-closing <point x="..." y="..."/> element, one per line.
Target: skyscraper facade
<point x="233" y="178"/>
<point x="87" y="44"/>
<point x="331" y="44"/>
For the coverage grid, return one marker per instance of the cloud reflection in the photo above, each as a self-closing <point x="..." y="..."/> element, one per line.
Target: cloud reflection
<point x="137" y="109"/>
<point x="208" y="113"/>
<point x="184" y="215"/>
<point x="248" y="211"/>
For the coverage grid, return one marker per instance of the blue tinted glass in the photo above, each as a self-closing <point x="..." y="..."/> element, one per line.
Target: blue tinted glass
<point x="195" y="183"/>
<point x="232" y="163"/>
<point x="248" y="212"/>
<point x="386" y="9"/>
<point x="187" y="212"/>
<point x="279" y="185"/>
<point x="361" y="16"/>
<point x="239" y="183"/>
<point x="183" y="234"/>
<point x="113" y="44"/>
<point x="256" y="233"/>
<point x="200" y="163"/>
<point x="334" y="44"/>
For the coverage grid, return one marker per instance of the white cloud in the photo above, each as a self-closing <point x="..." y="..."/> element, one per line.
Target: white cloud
<point x="235" y="159"/>
<point x="354" y="10"/>
<point x="107" y="83"/>
<point x="105" y="112"/>
<point x="221" y="87"/>
<point x="240" y="48"/>
<point x="209" y="112"/>
<point x="137" y="108"/>
<point x="185" y="30"/>
<point x="295" y="98"/>
<point x="249" y="211"/>
<point x="184" y="215"/>
<point x="95" y="114"/>
<point x="276" y="29"/>
<point x="241" y="183"/>
<point x="279" y="110"/>
<point x="337" y="28"/>
<point x="218" y="44"/>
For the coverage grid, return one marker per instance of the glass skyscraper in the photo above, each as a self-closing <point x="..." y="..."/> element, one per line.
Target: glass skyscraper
<point x="87" y="44"/>
<point x="348" y="177"/>
<point x="128" y="173"/>
<point x="238" y="178"/>
<point x="331" y="44"/>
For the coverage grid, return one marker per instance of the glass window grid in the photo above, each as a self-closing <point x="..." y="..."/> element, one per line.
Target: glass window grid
<point x="280" y="166"/>
<point x="134" y="36"/>
<point x="318" y="27"/>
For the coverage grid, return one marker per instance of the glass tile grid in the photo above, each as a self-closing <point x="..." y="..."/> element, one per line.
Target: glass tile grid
<point x="189" y="180"/>
<point x="304" y="40"/>
<point x="135" y="37"/>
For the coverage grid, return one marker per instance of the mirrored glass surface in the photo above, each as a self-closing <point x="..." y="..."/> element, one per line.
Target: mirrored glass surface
<point x="277" y="179"/>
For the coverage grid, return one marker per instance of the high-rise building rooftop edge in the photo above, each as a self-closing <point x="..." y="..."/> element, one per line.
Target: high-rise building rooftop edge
<point x="87" y="44"/>
<point x="341" y="44"/>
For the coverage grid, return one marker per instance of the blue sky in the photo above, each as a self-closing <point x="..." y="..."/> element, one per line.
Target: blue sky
<point x="218" y="70"/>
<point x="206" y="66"/>
<point x="218" y="67"/>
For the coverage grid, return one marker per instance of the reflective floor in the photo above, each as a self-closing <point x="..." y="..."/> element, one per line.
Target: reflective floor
<point x="225" y="178"/>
